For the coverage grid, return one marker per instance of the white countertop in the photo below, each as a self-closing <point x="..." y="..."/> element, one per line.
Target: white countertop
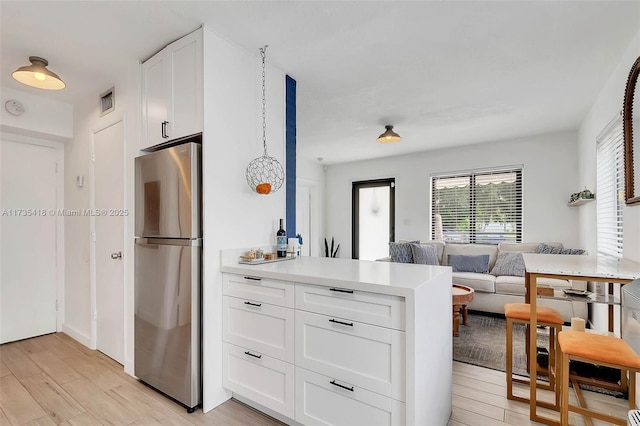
<point x="400" y="279"/>
<point x="597" y="266"/>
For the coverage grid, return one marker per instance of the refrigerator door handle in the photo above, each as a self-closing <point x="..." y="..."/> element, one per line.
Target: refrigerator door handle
<point x="196" y="242"/>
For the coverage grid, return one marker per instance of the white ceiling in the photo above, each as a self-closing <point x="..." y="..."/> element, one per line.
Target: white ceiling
<point x="445" y="73"/>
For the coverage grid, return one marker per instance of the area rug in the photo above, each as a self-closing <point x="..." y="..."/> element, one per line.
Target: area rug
<point x="482" y="342"/>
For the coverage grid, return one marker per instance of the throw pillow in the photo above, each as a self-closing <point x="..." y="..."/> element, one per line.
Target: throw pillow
<point x="401" y="252"/>
<point x="547" y="249"/>
<point x="424" y="254"/>
<point x="509" y="263"/>
<point x="463" y="263"/>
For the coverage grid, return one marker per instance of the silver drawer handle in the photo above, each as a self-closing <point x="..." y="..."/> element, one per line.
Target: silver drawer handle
<point x="116" y="256"/>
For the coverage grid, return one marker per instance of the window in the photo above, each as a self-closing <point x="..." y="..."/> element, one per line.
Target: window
<point x="483" y="206"/>
<point x="610" y="189"/>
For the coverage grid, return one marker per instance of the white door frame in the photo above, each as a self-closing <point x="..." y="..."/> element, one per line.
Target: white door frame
<point x="60" y="254"/>
<point x="92" y="225"/>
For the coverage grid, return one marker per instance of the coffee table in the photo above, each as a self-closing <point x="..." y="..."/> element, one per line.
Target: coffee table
<point x="462" y="296"/>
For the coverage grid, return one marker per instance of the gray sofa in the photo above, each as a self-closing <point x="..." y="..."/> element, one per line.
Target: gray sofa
<point x="493" y="292"/>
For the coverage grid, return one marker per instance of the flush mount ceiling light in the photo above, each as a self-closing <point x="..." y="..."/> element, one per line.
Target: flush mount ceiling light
<point x="37" y="75"/>
<point x="389" y="135"/>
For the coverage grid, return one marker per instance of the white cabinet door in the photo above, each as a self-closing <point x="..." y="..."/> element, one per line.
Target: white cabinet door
<point x="365" y="355"/>
<point x="172" y="86"/>
<point x="260" y="378"/>
<point x="186" y="86"/>
<point x="264" y="328"/>
<point x="322" y="400"/>
<point x="155" y="99"/>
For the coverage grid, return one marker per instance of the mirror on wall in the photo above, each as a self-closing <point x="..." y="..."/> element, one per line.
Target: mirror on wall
<point x="631" y="123"/>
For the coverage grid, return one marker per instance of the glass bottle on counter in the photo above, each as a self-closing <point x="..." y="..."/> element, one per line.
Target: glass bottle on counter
<point x="281" y="241"/>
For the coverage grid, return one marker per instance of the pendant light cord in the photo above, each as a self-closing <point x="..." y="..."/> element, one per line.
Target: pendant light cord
<point x="263" y="53"/>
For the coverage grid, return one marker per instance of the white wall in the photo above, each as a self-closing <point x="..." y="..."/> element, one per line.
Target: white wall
<point x="549" y="178"/>
<point x="606" y="106"/>
<point x="234" y="215"/>
<point x="310" y="176"/>
<point x="43" y="117"/>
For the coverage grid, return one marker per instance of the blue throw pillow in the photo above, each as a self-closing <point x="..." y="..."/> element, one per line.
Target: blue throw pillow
<point x="424" y="254"/>
<point x="401" y="252"/>
<point x="463" y="263"/>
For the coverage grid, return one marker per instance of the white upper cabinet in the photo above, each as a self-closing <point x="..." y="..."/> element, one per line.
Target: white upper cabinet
<point x="172" y="91"/>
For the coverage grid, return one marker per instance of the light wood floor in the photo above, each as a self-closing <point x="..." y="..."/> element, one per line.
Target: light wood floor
<point x="53" y="379"/>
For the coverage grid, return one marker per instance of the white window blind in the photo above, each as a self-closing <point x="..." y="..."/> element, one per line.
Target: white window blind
<point x="478" y="206"/>
<point x="610" y="189"/>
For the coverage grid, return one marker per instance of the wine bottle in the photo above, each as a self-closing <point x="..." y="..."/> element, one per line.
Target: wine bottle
<point x="281" y="241"/>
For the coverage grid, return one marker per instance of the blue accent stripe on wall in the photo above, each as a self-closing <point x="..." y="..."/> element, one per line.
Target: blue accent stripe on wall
<point x="291" y="156"/>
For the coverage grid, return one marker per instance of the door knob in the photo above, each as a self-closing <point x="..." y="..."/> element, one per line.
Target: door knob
<point x="117" y="255"/>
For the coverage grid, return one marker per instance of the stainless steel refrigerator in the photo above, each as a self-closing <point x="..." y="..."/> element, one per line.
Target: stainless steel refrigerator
<point x="168" y="253"/>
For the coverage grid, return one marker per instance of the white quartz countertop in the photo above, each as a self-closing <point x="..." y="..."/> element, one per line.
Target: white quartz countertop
<point x="597" y="266"/>
<point x="400" y="279"/>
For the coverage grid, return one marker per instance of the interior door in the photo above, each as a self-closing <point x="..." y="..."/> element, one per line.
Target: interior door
<point x="109" y="240"/>
<point x="28" y="271"/>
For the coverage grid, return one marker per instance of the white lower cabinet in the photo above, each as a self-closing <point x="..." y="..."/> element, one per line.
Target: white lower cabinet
<point x="365" y="355"/>
<point x="308" y="365"/>
<point x="323" y="400"/>
<point x="263" y="379"/>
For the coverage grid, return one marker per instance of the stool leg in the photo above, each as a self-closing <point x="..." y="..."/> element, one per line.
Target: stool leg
<point x="465" y="314"/>
<point x="509" y="359"/>
<point x="564" y="386"/>
<point x="456" y="320"/>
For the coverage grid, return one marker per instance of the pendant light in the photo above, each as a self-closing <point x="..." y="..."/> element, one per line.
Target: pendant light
<point x="37" y="75"/>
<point x="264" y="174"/>
<point x="389" y="135"/>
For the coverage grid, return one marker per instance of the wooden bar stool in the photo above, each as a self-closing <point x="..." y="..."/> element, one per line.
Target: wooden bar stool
<point x="521" y="313"/>
<point x="596" y="349"/>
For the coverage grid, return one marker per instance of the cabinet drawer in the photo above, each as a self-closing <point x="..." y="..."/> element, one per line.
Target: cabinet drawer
<point x="371" y="308"/>
<point x="265" y="380"/>
<point x="258" y="289"/>
<point x="364" y="355"/>
<point x="320" y="401"/>
<point x="264" y="328"/>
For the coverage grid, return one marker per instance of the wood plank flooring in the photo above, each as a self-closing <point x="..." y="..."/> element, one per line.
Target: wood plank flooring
<point x="53" y="379"/>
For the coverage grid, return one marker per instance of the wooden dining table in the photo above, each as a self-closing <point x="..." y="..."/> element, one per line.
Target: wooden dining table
<point x="597" y="268"/>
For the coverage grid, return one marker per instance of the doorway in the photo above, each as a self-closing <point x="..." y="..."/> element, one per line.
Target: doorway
<point x="30" y="193"/>
<point x="373" y="218"/>
<point x="108" y="224"/>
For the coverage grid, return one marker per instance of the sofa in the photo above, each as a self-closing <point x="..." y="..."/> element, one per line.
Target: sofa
<point x="492" y="292"/>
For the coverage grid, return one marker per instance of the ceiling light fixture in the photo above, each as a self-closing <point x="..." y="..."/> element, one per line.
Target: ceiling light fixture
<point x="389" y="135"/>
<point x="37" y="75"/>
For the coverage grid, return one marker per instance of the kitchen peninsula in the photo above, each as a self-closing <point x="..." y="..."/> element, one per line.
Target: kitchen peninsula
<point x="339" y="341"/>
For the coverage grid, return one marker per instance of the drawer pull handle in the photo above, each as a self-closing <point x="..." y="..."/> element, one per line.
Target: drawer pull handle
<point x="253" y="355"/>
<point x="333" y="382"/>
<point x="253" y="304"/>
<point x="253" y="278"/>
<point x="350" y="324"/>
<point x="341" y="290"/>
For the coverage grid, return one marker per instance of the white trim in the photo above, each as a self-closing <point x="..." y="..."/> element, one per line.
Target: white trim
<point x="77" y="335"/>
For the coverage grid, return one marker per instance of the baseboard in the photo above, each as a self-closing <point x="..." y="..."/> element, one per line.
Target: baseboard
<point x="77" y="335"/>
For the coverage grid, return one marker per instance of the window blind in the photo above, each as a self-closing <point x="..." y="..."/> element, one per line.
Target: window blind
<point x="483" y="206"/>
<point x="610" y="189"/>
